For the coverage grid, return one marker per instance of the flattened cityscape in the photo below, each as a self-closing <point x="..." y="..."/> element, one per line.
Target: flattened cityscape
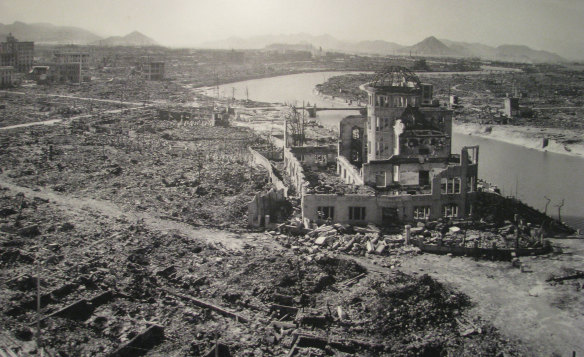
<point x="158" y="201"/>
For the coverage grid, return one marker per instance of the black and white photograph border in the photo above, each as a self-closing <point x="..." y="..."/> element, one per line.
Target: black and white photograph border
<point x="291" y="178"/>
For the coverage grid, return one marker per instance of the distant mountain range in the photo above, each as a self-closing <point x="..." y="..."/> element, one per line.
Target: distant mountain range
<point x="430" y="46"/>
<point x="44" y="33"/>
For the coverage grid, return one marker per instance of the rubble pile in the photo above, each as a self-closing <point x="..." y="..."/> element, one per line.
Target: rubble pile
<point x="350" y="240"/>
<point x="108" y="87"/>
<point x="391" y="242"/>
<point x="20" y="109"/>
<point x="326" y="181"/>
<point x="472" y="235"/>
<point x="415" y="315"/>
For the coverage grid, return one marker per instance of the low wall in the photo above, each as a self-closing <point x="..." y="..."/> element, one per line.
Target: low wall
<point x="275" y="176"/>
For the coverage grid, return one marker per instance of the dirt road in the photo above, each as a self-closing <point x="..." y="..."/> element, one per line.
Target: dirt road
<point x="227" y="240"/>
<point x="82" y="116"/>
<point x="547" y="318"/>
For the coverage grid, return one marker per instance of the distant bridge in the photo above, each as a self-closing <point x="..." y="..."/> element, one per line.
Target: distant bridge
<point x="312" y="110"/>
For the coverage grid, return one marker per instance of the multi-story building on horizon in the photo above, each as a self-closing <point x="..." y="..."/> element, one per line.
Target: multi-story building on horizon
<point x="18" y="54"/>
<point x="63" y="57"/>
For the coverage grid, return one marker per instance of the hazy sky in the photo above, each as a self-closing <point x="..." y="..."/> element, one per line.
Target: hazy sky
<point x="555" y="25"/>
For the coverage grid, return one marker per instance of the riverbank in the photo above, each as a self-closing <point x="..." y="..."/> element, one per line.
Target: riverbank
<point x="560" y="141"/>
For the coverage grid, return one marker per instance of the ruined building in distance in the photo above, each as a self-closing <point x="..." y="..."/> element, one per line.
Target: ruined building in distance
<point x="18" y="54"/>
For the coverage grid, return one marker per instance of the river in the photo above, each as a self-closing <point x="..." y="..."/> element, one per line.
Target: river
<point x="526" y="173"/>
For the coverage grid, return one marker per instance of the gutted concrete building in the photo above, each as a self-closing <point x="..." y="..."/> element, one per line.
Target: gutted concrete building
<point x="66" y="72"/>
<point x="204" y="116"/>
<point x="511" y="107"/>
<point x="18" y="54"/>
<point x="152" y="70"/>
<point x="402" y="150"/>
<point x="73" y="57"/>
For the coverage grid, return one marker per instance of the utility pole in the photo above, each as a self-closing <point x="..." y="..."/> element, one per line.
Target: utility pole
<point x="302" y="127"/>
<point x="38" y="297"/>
<point x="217" y="85"/>
<point x="546" y="205"/>
<point x="560" y="210"/>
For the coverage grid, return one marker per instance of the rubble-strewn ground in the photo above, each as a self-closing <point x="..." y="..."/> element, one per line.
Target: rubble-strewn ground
<point x="198" y="175"/>
<point x="28" y="106"/>
<point x="153" y="270"/>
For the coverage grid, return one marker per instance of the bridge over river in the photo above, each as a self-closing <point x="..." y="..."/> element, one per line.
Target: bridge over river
<point x="312" y="110"/>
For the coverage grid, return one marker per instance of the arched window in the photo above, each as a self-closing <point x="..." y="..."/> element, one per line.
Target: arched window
<point x="356" y="133"/>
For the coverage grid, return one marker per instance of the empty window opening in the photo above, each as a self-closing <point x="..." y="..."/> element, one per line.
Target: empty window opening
<point x="424" y="178"/>
<point x="357" y="213"/>
<point x="470" y="184"/>
<point x="450" y="185"/>
<point x="422" y="213"/>
<point x="450" y="210"/>
<point x="326" y="212"/>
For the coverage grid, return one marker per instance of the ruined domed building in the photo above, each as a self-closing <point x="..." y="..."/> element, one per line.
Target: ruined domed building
<point x="402" y="150"/>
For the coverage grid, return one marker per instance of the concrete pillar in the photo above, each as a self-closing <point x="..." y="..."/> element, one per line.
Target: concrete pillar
<point x="407" y="234"/>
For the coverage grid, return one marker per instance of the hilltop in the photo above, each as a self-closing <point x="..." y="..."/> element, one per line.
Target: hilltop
<point x="132" y="39"/>
<point x="430" y="46"/>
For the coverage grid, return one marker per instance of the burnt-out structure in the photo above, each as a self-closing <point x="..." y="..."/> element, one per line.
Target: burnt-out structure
<point x="402" y="150"/>
<point x="203" y="116"/>
<point x="18" y="54"/>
